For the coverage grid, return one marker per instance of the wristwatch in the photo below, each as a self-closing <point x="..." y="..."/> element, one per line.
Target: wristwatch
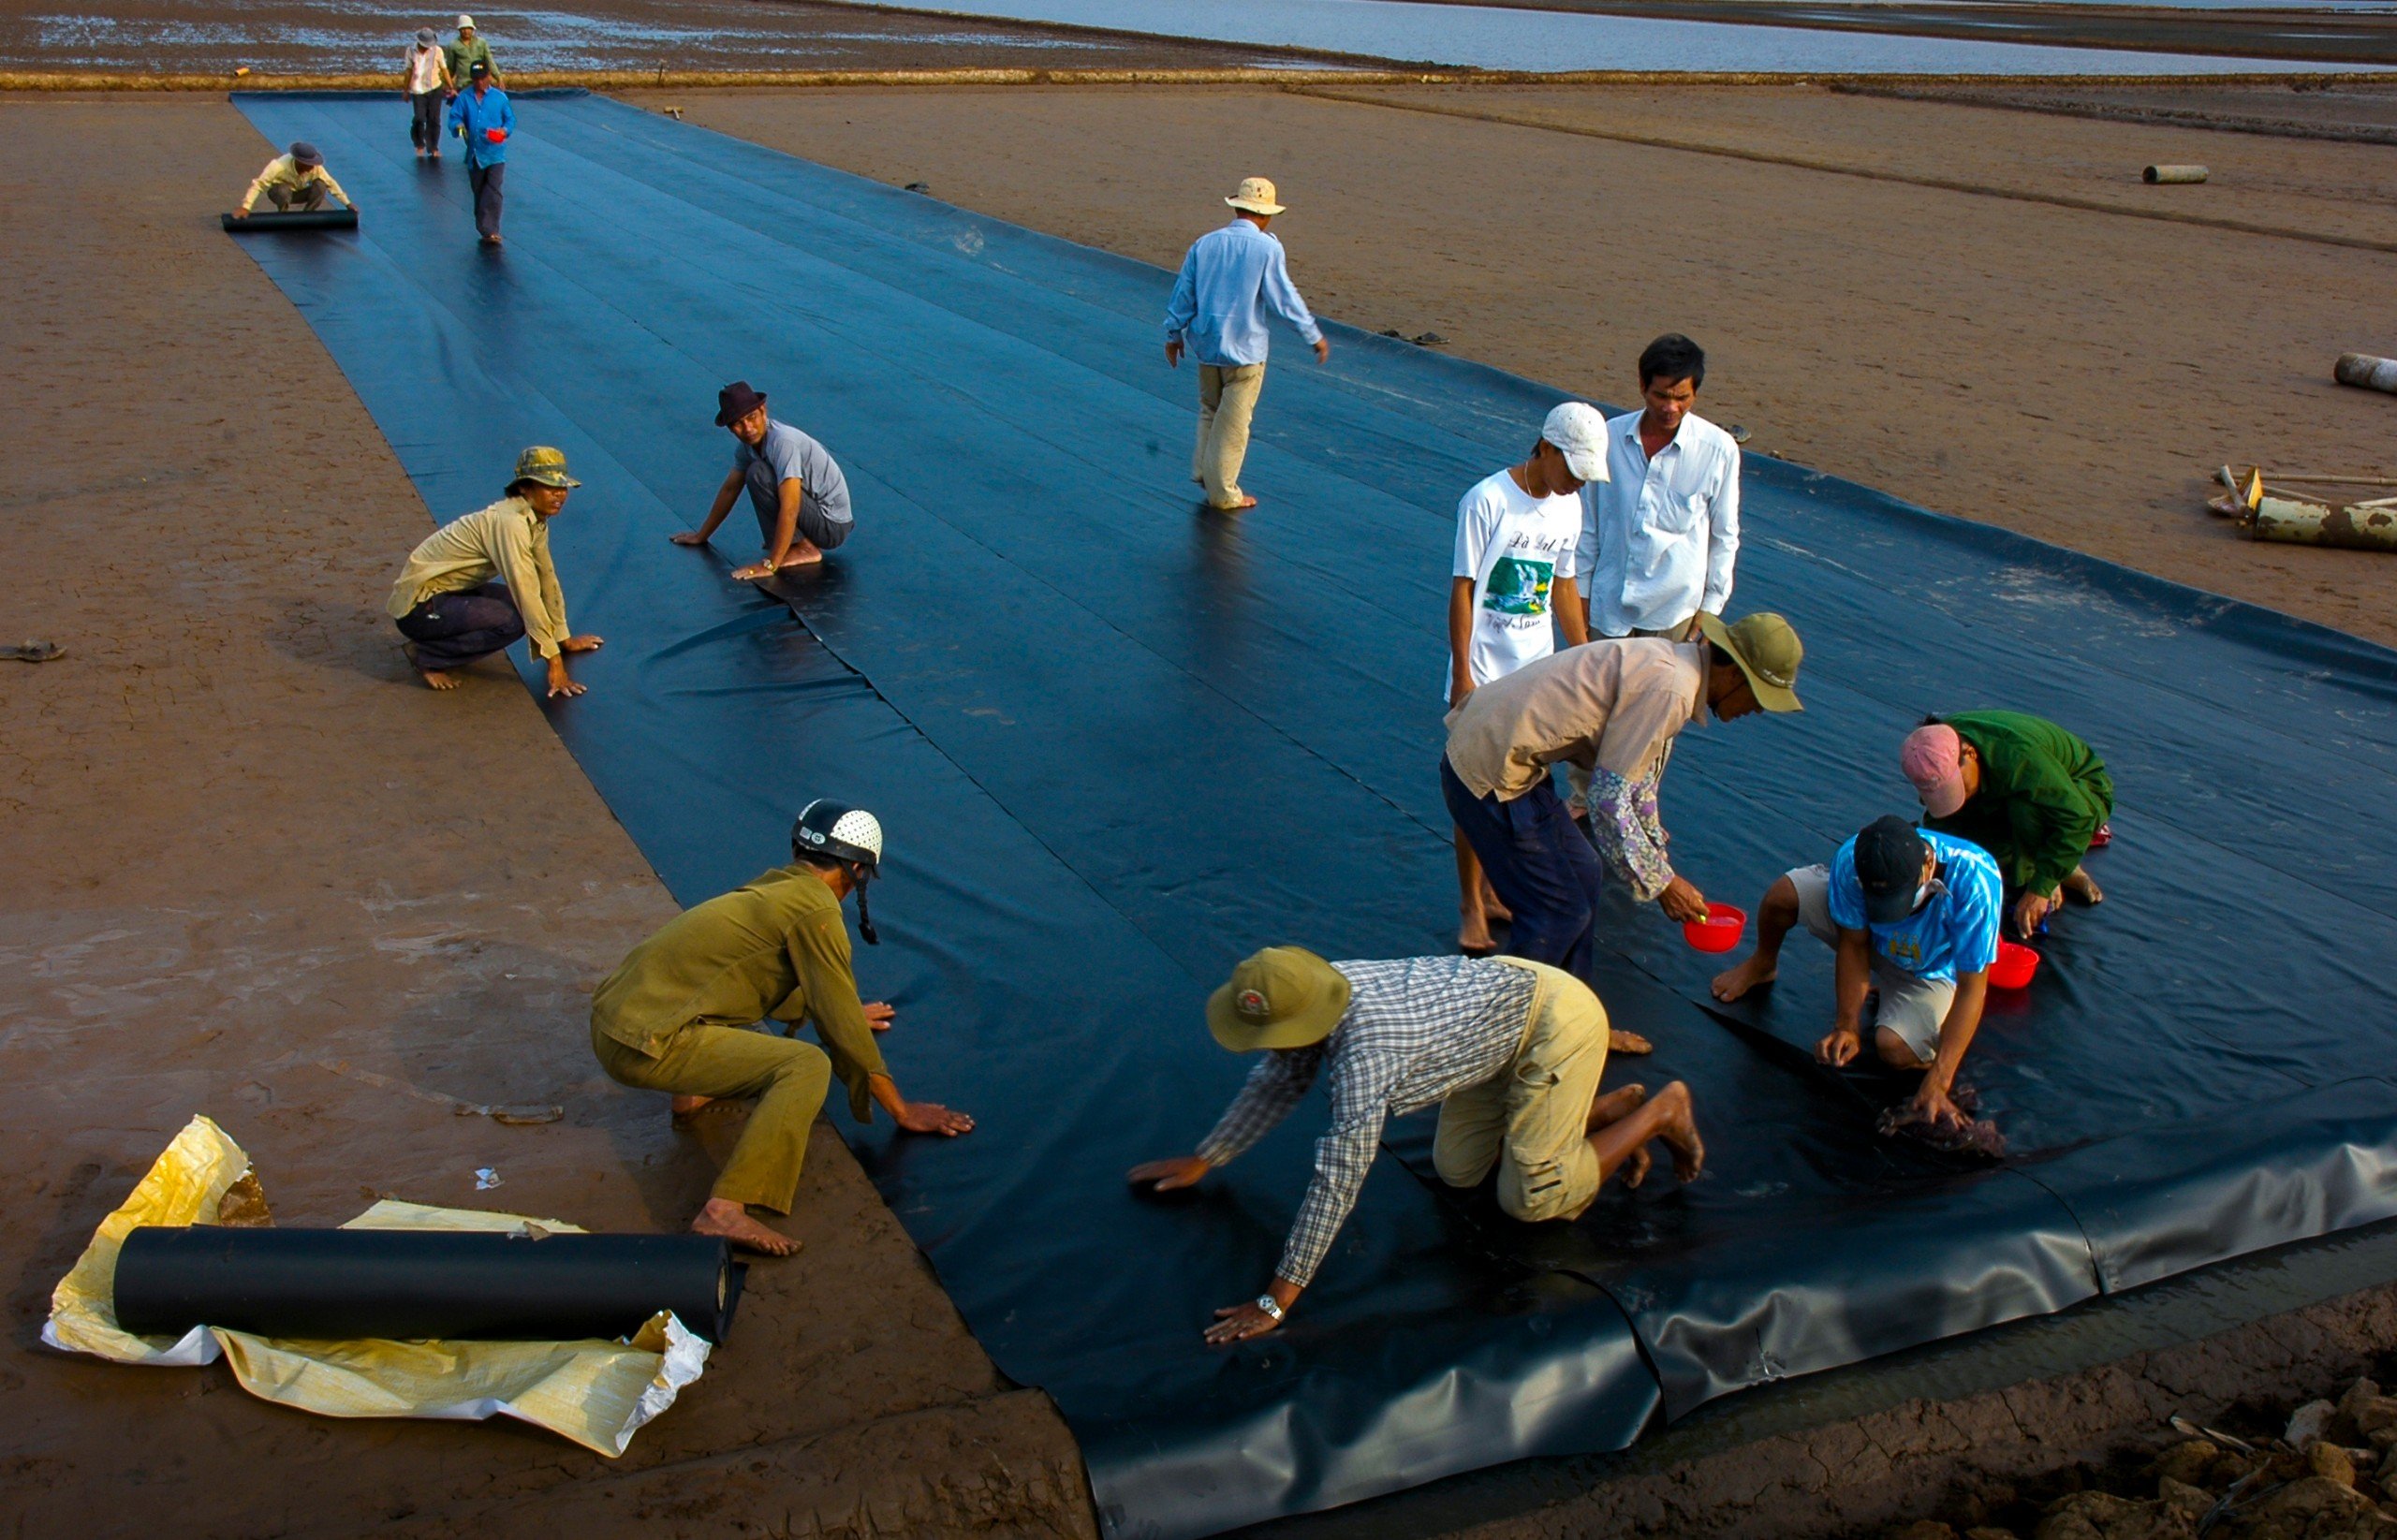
<point x="1271" y="1306"/>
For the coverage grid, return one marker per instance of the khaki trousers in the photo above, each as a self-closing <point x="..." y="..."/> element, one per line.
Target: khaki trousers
<point x="787" y="1076"/>
<point x="1532" y="1121"/>
<point x="1226" y="400"/>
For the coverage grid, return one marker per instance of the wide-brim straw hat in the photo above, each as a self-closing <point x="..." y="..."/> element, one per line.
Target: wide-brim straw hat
<point x="1256" y="196"/>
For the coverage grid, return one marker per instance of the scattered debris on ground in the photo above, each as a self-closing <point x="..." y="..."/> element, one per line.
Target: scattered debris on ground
<point x="2326" y="1470"/>
<point x="2271" y="511"/>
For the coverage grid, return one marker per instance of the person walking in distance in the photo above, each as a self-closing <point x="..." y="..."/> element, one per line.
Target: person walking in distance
<point x="485" y="119"/>
<point x="425" y="77"/>
<point x="1229" y="278"/>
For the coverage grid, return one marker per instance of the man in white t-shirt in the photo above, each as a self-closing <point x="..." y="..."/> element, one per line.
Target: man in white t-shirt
<point x="1517" y="531"/>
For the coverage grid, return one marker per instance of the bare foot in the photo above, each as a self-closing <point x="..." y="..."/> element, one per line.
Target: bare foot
<point x="2081" y="886"/>
<point x="1635" y="1166"/>
<point x="1241" y="506"/>
<point x="437" y="680"/>
<point x="1753" y="974"/>
<point x="723" y="1217"/>
<point x="1679" y="1131"/>
<point x="1619" y="1041"/>
<point x="1494" y="906"/>
<point x="1614" y="1106"/>
<point x="1473" y="936"/>
<point x="802" y="554"/>
<point x="683" y="1106"/>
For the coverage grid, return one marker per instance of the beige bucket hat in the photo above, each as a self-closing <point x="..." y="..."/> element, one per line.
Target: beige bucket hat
<point x="1256" y="196"/>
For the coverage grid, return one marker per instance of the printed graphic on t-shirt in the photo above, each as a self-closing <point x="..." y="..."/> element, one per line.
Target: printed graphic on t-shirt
<point x="1906" y="951"/>
<point x="1518" y="586"/>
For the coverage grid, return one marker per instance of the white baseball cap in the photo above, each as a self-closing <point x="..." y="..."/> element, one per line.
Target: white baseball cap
<point x="1577" y="430"/>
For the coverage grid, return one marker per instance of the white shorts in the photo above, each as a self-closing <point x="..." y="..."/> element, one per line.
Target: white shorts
<point x="1912" y="1006"/>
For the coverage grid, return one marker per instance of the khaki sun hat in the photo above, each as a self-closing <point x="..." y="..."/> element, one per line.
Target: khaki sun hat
<point x="1283" y="997"/>
<point x="543" y="466"/>
<point x="1767" y="651"/>
<point x="1256" y="196"/>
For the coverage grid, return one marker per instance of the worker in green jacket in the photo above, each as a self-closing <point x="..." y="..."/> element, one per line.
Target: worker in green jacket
<point x="2031" y="794"/>
<point x="677" y="1015"/>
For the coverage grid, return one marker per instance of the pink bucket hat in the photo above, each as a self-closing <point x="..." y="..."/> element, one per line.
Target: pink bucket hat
<point x="1932" y="759"/>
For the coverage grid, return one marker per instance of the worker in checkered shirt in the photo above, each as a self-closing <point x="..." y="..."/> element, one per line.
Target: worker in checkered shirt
<point x="1512" y="1050"/>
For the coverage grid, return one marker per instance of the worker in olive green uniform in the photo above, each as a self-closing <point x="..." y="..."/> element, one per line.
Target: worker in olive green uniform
<point x="2030" y="793"/>
<point x="677" y="1015"/>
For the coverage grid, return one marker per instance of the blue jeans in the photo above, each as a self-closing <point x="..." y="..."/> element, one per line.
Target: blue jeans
<point x="451" y="630"/>
<point x="1540" y="865"/>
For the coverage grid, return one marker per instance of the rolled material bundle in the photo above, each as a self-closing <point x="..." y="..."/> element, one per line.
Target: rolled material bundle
<point x="2363" y="526"/>
<point x="412" y="1285"/>
<point x="298" y="219"/>
<point x="2173" y="173"/>
<point x="2366" y="373"/>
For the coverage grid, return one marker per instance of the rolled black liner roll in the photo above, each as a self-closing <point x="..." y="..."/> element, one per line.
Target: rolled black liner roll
<point x="411" y="1284"/>
<point x="303" y="219"/>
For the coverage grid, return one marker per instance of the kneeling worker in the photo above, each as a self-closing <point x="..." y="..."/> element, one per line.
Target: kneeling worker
<point x="1914" y="918"/>
<point x="451" y="611"/>
<point x="676" y="1016"/>
<point x="1511" y="1050"/>
<point x="1611" y="708"/>
<point x="798" y="492"/>
<point x="2025" y="790"/>
<point x="296" y="177"/>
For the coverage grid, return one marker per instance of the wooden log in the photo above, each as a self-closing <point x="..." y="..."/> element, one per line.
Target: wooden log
<point x="2172" y="174"/>
<point x="2365" y="373"/>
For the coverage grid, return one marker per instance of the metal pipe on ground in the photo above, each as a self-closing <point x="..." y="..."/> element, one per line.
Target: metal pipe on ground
<point x="2366" y="373"/>
<point x="2360" y="526"/>
<point x="2155" y="174"/>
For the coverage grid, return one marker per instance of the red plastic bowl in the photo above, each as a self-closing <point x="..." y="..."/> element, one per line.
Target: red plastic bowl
<point x="494" y="135"/>
<point x="2014" y="966"/>
<point x="1720" y="931"/>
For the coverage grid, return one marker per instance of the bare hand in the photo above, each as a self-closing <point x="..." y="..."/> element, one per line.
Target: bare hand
<point x="1323" y="350"/>
<point x="933" y="1118"/>
<point x="1166" y="1175"/>
<point x="1840" y="1048"/>
<point x="1930" y="1106"/>
<point x="241" y="213"/>
<point x="879" y="1016"/>
<point x="688" y="537"/>
<point x="2030" y="909"/>
<point x="1237" y="1323"/>
<point x="1458" y="690"/>
<point x="1682" y="902"/>
<point x="561" y="682"/>
<point x="1173" y="355"/>
<point x="583" y="644"/>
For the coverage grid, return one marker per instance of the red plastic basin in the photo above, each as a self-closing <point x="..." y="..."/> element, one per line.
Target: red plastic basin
<point x="1720" y="931"/>
<point x="2014" y="966"/>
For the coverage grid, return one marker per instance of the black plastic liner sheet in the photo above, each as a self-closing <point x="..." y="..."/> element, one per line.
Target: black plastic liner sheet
<point x="296" y="219"/>
<point x="342" y="1286"/>
<point x="1119" y="743"/>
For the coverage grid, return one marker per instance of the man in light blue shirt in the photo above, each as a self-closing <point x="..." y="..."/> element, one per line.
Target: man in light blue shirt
<point x="1229" y="279"/>
<point x="795" y="487"/>
<point x="482" y="118"/>
<point x="1913" y="915"/>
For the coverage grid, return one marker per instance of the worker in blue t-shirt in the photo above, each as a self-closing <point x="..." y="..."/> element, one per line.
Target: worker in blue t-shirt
<point x="1914" y="917"/>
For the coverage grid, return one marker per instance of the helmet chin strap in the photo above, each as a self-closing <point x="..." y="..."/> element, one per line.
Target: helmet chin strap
<point x="865" y="919"/>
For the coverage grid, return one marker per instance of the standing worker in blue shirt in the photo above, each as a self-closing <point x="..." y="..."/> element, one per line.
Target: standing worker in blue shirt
<point x="485" y="120"/>
<point x="1216" y="312"/>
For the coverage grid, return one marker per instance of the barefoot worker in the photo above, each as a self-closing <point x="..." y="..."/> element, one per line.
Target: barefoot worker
<point x="2025" y="790"/>
<point x="678" y="1014"/>
<point x="295" y="179"/>
<point x="1913" y="917"/>
<point x="1516" y="534"/>
<point x="1229" y="278"/>
<point x="485" y="120"/>
<point x="1611" y="708"/>
<point x="799" y="495"/>
<point x="478" y="584"/>
<point x="1512" y="1051"/>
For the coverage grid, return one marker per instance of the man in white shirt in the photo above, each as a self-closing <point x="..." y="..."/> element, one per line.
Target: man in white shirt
<point x="1661" y="535"/>
<point x="1517" y="531"/>
<point x="1660" y="532"/>
<point x="425" y="77"/>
